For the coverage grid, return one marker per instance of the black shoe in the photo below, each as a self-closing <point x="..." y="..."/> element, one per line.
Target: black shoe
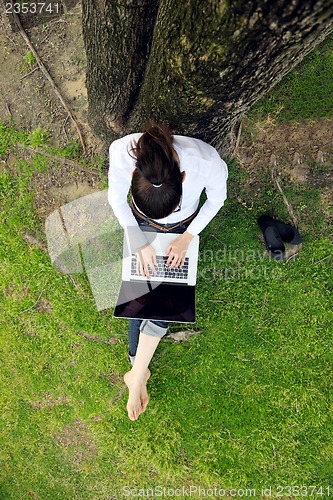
<point x="287" y="232"/>
<point x="272" y="238"/>
<point x="275" y="233"/>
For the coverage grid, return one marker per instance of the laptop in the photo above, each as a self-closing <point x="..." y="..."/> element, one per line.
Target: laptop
<point x="169" y="294"/>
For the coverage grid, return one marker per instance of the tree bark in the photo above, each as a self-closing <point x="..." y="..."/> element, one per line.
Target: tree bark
<point x="118" y="36"/>
<point x="197" y="65"/>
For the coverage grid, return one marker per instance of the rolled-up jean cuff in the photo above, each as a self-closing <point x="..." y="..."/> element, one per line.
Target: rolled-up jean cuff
<point x="149" y="328"/>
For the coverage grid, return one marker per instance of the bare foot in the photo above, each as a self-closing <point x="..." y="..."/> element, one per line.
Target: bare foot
<point x="138" y="396"/>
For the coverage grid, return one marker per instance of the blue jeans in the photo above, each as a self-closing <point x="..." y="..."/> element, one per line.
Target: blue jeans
<point x="154" y="328"/>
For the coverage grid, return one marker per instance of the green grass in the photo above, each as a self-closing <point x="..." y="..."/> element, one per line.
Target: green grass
<point x="29" y="61"/>
<point x="305" y="93"/>
<point x="243" y="404"/>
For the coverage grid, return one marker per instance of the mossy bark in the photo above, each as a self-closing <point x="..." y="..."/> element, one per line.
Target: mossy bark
<point x="118" y="36"/>
<point x="197" y="65"/>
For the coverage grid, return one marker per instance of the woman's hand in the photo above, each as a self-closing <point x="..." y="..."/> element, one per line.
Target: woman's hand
<point x="177" y="250"/>
<point x="145" y="258"/>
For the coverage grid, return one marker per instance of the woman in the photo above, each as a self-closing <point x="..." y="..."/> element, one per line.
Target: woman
<point x="166" y="175"/>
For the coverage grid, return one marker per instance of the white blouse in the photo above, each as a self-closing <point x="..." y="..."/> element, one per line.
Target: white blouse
<point x="204" y="168"/>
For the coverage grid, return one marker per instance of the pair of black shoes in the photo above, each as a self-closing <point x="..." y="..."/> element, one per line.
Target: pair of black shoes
<point x="276" y="233"/>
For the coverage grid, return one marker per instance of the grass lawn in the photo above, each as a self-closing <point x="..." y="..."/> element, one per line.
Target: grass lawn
<point x="305" y="93"/>
<point x="244" y="405"/>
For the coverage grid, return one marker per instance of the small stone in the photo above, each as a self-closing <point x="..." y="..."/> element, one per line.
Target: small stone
<point x="273" y="160"/>
<point x="11" y="161"/>
<point x="320" y="157"/>
<point x="297" y="159"/>
<point x="301" y="173"/>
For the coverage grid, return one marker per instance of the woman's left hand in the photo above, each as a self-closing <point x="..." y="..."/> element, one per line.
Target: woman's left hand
<point x="176" y="251"/>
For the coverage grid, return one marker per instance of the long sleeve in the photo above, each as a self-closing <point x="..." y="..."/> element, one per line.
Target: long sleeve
<point x="204" y="168"/>
<point x="216" y="191"/>
<point x="120" y="176"/>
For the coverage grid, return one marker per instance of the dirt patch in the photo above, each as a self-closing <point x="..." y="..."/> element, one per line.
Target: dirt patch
<point x="44" y="306"/>
<point x="72" y="191"/>
<point x="77" y="444"/>
<point x="29" y="98"/>
<point x="30" y="102"/>
<point x="12" y="291"/>
<point x="307" y="138"/>
<point x="61" y="185"/>
<point x="303" y="150"/>
<point x="115" y="378"/>
<point x="301" y="146"/>
<point x="49" y="401"/>
<point x="303" y="153"/>
<point x="183" y="336"/>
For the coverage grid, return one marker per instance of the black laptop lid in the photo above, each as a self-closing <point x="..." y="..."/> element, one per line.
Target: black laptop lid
<point x="166" y="302"/>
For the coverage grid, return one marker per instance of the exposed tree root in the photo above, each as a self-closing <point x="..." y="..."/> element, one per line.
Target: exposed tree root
<point x="59" y="159"/>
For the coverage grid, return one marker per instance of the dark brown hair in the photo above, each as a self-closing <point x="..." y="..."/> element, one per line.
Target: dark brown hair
<point x="156" y="164"/>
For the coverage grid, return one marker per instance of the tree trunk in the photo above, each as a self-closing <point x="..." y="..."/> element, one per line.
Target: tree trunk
<point x="118" y="36"/>
<point x="197" y="65"/>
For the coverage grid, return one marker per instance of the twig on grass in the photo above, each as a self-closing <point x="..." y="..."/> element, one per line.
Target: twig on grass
<point x="64" y="127"/>
<point x="324" y="258"/>
<point x="30" y="73"/>
<point x="225" y="380"/>
<point x="293" y="256"/>
<point x="229" y="433"/>
<point x="213" y="236"/>
<point x="34" y="305"/>
<point x="272" y="168"/>
<point x="116" y="398"/>
<point x="260" y="319"/>
<point x="241" y="359"/>
<point x="8" y="110"/>
<point x="265" y="340"/>
<point x="48" y="77"/>
<point x="60" y="159"/>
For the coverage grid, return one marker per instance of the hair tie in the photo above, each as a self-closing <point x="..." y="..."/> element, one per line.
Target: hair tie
<point x="157" y="185"/>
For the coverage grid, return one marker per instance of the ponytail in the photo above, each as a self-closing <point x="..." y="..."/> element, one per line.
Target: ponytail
<point x="157" y="180"/>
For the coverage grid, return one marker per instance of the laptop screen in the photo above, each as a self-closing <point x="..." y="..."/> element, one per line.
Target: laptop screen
<point x="166" y="302"/>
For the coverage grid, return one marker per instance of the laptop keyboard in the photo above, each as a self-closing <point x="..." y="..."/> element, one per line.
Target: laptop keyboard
<point x="162" y="271"/>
